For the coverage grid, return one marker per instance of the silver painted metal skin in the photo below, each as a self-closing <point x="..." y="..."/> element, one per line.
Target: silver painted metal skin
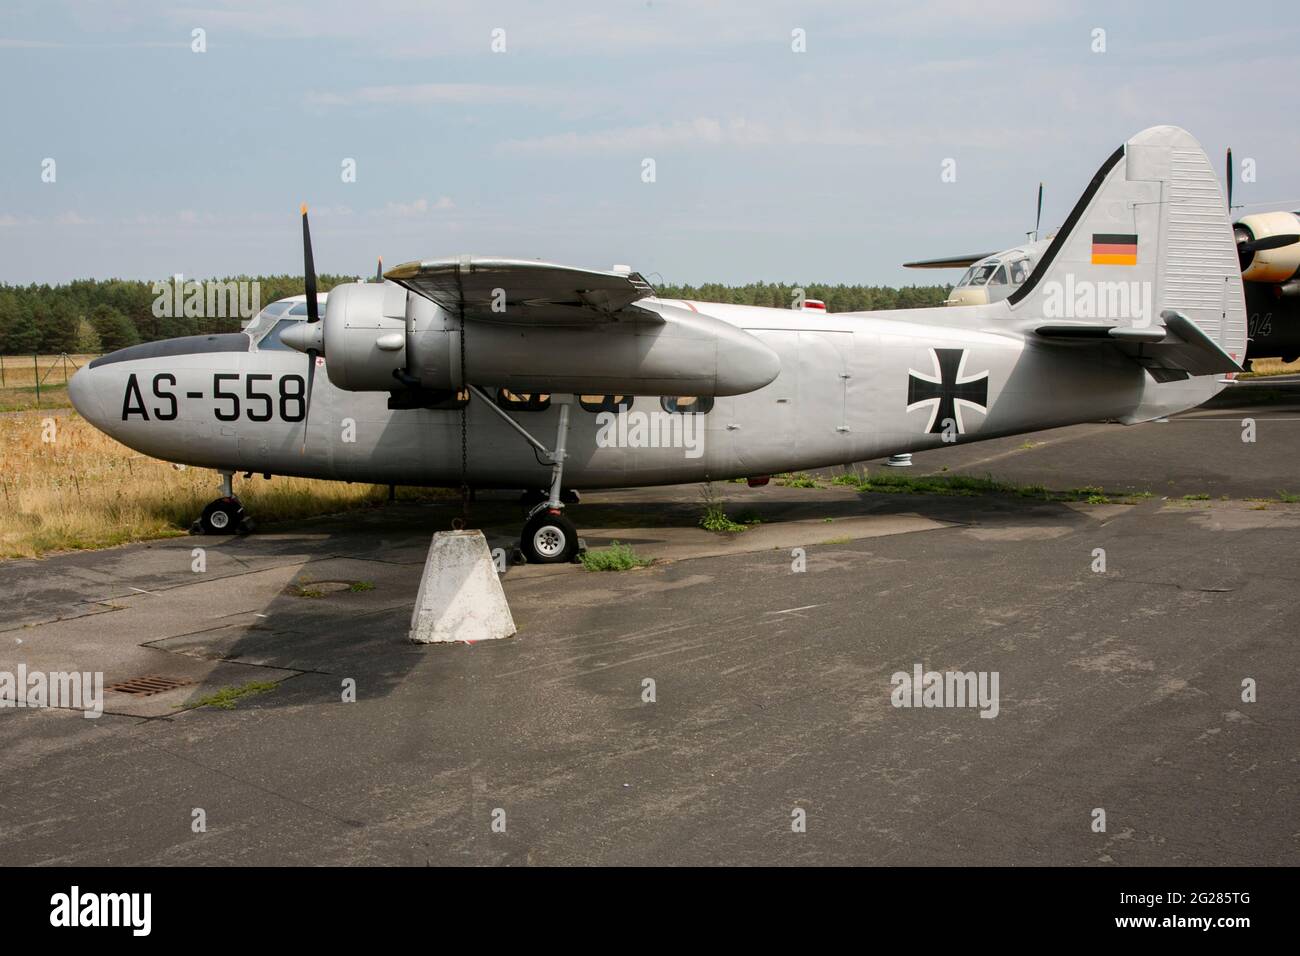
<point x="834" y="390"/>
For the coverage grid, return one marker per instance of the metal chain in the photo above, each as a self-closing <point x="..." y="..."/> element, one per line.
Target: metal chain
<point x="464" y="422"/>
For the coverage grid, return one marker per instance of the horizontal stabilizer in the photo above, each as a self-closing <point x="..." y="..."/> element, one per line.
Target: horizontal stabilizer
<point x="1171" y="351"/>
<point x="520" y="290"/>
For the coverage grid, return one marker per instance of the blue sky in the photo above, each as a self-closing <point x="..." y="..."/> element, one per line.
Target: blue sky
<point x="816" y="166"/>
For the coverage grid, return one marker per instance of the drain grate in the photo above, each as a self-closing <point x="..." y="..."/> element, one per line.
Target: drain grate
<point x="148" y="685"/>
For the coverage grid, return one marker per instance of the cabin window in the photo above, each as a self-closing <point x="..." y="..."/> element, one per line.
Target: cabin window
<point x="999" y="277"/>
<point x="1019" y="271"/>
<point x="460" y="401"/>
<point x="687" y="404"/>
<point x="523" y="401"/>
<point x="605" y="403"/>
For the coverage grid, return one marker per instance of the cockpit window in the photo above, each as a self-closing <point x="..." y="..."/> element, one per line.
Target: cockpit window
<point x="300" y="308"/>
<point x="266" y="318"/>
<point x="981" y="272"/>
<point x="1019" y="271"/>
<point x="999" y="277"/>
<point x="271" y="341"/>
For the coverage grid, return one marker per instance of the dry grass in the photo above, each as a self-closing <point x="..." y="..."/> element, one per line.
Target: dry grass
<point x="18" y="377"/>
<point x="85" y="490"/>
<point x="1270" y="366"/>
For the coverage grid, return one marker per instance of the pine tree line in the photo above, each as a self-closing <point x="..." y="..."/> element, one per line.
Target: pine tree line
<point x="89" y="315"/>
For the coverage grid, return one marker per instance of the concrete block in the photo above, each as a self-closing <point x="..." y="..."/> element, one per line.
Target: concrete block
<point x="461" y="598"/>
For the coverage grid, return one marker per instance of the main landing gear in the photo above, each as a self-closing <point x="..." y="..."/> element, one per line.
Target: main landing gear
<point x="548" y="536"/>
<point x="225" y="515"/>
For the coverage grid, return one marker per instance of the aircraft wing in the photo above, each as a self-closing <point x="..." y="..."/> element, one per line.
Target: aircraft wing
<point x="952" y="262"/>
<point x="1175" y="350"/>
<point x="521" y="290"/>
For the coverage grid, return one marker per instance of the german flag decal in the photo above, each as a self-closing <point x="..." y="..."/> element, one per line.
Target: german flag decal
<point x="1114" y="249"/>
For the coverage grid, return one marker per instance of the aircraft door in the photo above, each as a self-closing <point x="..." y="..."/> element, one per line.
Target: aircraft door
<point x="823" y="392"/>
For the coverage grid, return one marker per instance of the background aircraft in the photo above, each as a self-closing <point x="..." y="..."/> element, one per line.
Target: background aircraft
<point x="1268" y="252"/>
<point x="449" y="371"/>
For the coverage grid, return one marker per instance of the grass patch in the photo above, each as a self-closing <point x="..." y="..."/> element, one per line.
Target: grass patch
<point x="617" y="557"/>
<point x="1196" y="497"/>
<point x="85" y="490"/>
<point x="24" y="398"/>
<point x="715" y="519"/>
<point x="798" y="480"/>
<point x="356" y="587"/>
<point x="971" y="485"/>
<point x="1262" y="368"/>
<point x="1287" y="498"/>
<point x="227" y="697"/>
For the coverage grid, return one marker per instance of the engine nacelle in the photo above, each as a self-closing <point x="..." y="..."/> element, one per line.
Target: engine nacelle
<point x="1271" y="265"/>
<point x="380" y="338"/>
<point x="678" y="352"/>
<point x="365" y="335"/>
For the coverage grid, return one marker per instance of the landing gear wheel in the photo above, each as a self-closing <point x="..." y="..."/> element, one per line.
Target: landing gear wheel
<point x="222" y="516"/>
<point x="549" y="538"/>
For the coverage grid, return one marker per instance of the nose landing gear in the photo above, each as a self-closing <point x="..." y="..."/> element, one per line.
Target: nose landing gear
<point x="222" y="516"/>
<point x="225" y="515"/>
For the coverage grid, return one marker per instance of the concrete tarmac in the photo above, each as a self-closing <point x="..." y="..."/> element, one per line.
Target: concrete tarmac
<point x="686" y="713"/>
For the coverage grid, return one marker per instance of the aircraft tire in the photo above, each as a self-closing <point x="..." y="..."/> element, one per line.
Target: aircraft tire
<point x="549" y="538"/>
<point x="222" y="516"/>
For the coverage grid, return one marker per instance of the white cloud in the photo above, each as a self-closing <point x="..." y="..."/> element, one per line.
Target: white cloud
<point x="419" y="94"/>
<point x="743" y="133"/>
<point x="416" y="208"/>
<point x="72" y="218"/>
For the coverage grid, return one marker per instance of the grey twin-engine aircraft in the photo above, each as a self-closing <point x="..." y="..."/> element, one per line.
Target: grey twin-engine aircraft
<point x="492" y="373"/>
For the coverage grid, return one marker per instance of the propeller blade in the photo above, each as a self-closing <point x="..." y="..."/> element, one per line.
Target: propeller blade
<point x="1038" y="219"/>
<point x="309" y="270"/>
<point x="306" y="399"/>
<point x="379" y="270"/>
<point x="1269" y="242"/>
<point x="313" y="315"/>
<point x="1228" y="177"/>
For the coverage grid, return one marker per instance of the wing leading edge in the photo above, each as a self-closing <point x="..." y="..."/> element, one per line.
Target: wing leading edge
<point x="520" y="290"/>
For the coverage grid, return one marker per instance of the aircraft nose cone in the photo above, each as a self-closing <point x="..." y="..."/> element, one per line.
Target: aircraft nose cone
<point x="84" y="396"/>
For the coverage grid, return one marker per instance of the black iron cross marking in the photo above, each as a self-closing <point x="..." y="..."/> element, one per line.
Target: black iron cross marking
<point x="946" y="389"/>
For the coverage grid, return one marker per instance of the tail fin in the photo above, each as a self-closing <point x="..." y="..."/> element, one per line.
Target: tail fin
<point x="1149" y="239"/>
